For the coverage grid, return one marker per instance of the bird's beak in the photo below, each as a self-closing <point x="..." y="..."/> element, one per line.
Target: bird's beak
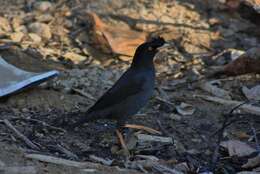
<point x="164" y="46"/>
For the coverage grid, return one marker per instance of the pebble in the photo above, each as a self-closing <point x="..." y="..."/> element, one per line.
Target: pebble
<point x="43" y="30"/>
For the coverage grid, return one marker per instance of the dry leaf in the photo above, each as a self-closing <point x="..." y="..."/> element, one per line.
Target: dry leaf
<point x="41" y="29"/>
<point x="237" y="148"/>
<point x="76" y="58"/>
<point x="253" y="93"/>
<point x="252" y="162"/>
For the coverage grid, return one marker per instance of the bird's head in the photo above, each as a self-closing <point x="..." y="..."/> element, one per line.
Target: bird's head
<point x="145" y="52"/>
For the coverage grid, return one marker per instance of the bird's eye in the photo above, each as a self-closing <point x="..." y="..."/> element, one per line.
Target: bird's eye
<point x="150" y="48"/>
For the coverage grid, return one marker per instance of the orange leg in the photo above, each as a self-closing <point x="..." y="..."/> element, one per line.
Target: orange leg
<point x="140" y="127"/>
<point x="122" y="142"/>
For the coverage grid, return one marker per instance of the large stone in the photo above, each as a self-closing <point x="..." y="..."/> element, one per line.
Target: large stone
<point x="43" y="6"/>
<point x="43" y="30"/>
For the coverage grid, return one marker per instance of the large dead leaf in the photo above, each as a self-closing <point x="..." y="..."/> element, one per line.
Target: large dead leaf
<point x="114" y="39"/>
<point x="237" y="148"/>
<point x="252" y="162"/>
<point x="253" y="93"/>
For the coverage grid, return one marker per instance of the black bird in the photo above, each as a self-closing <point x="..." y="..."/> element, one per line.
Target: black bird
<point x="131" y="92"/>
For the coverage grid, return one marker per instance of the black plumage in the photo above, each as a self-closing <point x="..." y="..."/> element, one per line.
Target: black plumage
<point x="132" y="91"/>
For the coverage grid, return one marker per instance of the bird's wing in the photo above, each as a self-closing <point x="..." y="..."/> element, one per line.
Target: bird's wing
<point x="129" y="84"/>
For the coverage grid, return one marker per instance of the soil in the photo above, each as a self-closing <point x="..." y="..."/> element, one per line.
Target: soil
<point x="194" y="38"/>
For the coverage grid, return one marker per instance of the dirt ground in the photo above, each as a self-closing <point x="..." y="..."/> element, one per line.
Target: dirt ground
<point x="197" y="31"/>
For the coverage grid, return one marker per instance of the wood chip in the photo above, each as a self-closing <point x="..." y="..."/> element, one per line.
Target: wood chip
<point x="152" y="138"/>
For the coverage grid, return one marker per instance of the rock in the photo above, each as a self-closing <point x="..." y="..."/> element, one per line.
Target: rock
<point x="44" y="18"/>
<point x="76" y="58"/>
<point x="21" y="28"/>
<point x="16" y="23"/>
<point x="43" y="30"/>
<point x="43" y="6"/>
<point x="17" y="36"/>
<point x="175" y="117"/>
<point x="4" y="24"/>
<point x="35" y="38"/>
<point x="185" y="109"/>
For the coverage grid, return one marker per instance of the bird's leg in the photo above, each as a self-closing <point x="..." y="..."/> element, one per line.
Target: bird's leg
<point x="120" y="136"/>
<point x="122" y="142"/>
<point x="141" y="127"/>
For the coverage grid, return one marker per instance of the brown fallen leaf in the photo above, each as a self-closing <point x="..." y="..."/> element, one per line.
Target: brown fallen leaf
<point x="244" y="64"/>
<point x="114" y="39"/>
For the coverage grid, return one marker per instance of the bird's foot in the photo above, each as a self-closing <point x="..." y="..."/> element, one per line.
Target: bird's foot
<point x="122" y="142"/>
<point x="141" y="127"/>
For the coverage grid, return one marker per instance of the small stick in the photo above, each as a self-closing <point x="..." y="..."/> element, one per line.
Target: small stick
<point x="84" y="94"/>
<point x="40" y="122"/>
<point x="101" y="160"/>
<point x="164" y="101"/>
<point x="140" y="127"/>
<point x="20" y="135"/>
<point x="246" y="107"/>
<point x="67" y="152"/>
<point x="60" y="161"/>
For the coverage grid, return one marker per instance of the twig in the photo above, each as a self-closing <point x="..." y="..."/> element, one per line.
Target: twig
<point x="85" y="166"/>
<point x="164" y="101"/>
<point x="20" y="135"/>
<point x="246" y="107"/>
<point x="40" y="122"/>
<point x="60" y="161"/>
<point x="101" y="160"/>
<point x="225" y="124"/>
<point x="68" y="153"/>
<point x="84" y="94"/>
<point x="215" y="156"/>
